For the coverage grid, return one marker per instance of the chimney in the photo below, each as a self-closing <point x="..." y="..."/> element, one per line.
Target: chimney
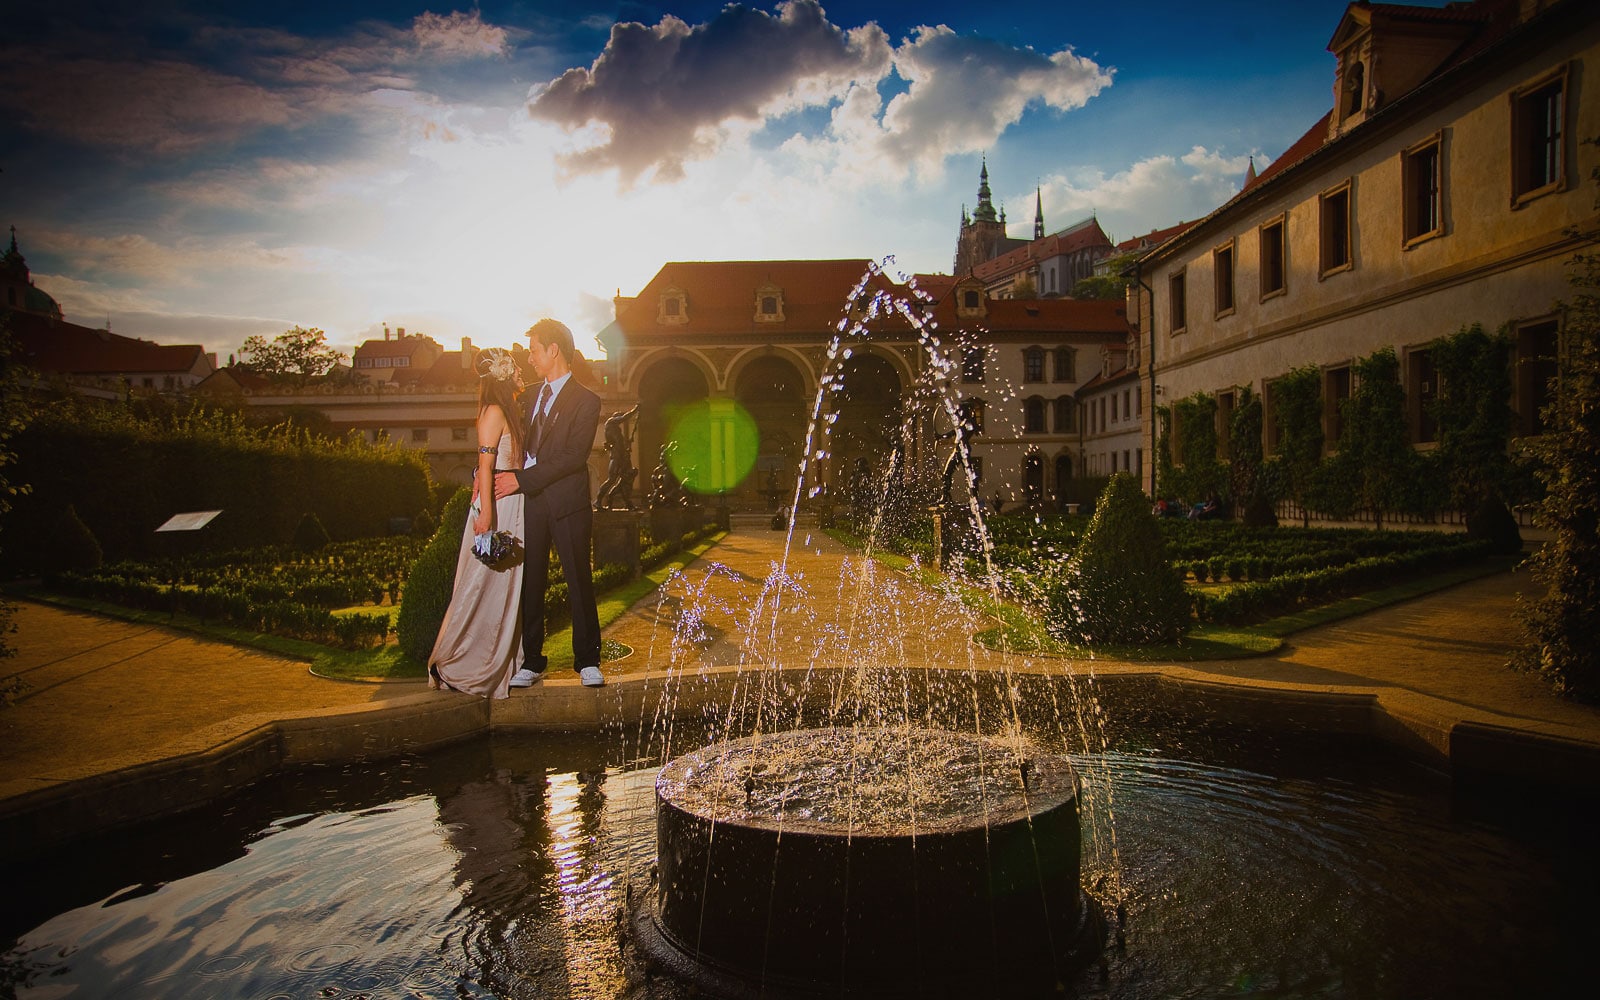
<point x="386" y="331"/>
<point x="466" y="352"/>
<point x="399" y="333"/>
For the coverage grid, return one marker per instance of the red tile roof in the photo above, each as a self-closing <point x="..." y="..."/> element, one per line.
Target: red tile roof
<point x="1085" y="235"/>
<point x="403" y="347"/>
<point x="51" y="345"/>
<point x="1154" y="238"/>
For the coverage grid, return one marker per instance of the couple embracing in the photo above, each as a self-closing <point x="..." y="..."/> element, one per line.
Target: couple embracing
<point x="533" y="482"/>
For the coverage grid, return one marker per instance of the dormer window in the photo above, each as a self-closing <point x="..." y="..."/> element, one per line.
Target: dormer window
<point x="769" y="304"/>
<point x="1355" y="84"/>
<point x="674" y="308"/>
<point x="971" y="300"/>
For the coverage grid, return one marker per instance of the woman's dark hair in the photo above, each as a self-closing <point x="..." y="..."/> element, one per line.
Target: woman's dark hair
<point x="503" y="393"/>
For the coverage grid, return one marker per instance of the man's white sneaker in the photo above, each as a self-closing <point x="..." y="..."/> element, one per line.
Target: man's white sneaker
<point x="525" y="678"/>
<point x="591" y="677"/>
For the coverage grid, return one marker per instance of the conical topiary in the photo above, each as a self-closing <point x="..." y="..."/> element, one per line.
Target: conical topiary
<point x="1119" y="587"/>
<point x="431" y="581"/>
<point x="73" y="545"/>
<point x="310" y="535"/>
<point x="423" y="525"/>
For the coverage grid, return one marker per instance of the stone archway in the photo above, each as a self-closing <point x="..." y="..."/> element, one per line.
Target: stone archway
<point x="867" y="399"/>
<point x="774" y="392"/>
<point x="666" y="389"/>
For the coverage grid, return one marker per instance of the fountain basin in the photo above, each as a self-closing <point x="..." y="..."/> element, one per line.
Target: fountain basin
<point x="884" y="863"/>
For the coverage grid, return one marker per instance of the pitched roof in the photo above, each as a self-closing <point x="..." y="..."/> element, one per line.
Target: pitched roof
<point x="1154" y="238"/>
<point x="1085" y="235"/>
<point x="52" y="345"/>
<point x="402" y="347"/>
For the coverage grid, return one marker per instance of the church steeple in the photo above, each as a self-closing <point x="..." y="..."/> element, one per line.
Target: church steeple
<point x="1038" y="213"/>
<point x="985" y="209"/>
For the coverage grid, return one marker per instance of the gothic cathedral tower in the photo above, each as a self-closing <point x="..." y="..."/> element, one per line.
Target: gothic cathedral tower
<point x="981" y="234"/>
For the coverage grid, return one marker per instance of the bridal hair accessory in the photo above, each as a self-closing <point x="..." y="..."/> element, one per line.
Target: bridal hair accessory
<point x="498" y="364"/>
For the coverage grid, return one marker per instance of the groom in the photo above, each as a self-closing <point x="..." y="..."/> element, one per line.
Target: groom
<point x="555" y="482"/>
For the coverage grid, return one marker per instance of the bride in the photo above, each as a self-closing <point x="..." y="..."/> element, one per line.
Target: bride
<point x="480" y="643"/>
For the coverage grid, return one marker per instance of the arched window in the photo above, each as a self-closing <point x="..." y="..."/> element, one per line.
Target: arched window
<point x="1033" y="364"/>
<point x="1033" y="415"/>
<point x="972" y="410"/>
<point x="1066" y="421"/>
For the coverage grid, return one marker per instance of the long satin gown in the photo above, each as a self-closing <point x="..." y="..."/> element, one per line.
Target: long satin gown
<point x="480" y="643"/>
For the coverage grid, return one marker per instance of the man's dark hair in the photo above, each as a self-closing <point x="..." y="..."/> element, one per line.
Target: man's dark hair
<point x="553" y="333"/>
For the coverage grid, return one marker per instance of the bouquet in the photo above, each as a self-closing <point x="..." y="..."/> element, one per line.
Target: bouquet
<point x="495" y="549"/>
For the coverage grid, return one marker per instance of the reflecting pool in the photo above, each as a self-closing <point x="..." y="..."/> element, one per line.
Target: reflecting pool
<point x="1243" y="865"/>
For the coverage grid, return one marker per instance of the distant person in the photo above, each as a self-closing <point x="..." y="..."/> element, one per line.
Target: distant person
<point x="554" y="483"/>
<point x="479" y="647"/>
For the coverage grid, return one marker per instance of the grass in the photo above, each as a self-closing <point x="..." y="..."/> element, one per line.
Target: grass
<point x="382" y="662"/>
<point x="1018" y="631"/>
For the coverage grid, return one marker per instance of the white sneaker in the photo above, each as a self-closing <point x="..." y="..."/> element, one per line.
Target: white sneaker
<point x="591" y="677"/>
<point x="525" y="678"/>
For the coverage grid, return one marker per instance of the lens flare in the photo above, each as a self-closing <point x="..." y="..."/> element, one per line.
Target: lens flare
<point x="713" y="445"/>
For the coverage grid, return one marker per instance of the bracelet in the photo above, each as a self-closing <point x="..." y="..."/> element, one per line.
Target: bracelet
<point x="488" y="451"/>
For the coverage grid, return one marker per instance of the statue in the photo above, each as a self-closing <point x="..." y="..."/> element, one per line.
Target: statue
<point x="664" y="488"/>
<point x="617" y="491"/>
<point x="960" y="453"/>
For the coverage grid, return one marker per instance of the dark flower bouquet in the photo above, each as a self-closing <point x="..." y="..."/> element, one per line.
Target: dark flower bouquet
<point x="497" y="549"/>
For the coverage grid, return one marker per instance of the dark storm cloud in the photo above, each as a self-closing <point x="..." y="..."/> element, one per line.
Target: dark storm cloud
<point x="663" y="90"/>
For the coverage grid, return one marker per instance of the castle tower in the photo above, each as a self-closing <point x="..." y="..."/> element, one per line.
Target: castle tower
<point x="980" y="236"/>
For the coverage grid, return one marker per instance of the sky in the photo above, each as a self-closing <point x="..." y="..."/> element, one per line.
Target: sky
<point x="194" y="172"/>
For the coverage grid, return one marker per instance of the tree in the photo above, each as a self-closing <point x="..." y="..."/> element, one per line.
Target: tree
<point x="1245" y="468"/>
<point x="1473" y="411"/>
<point x="1197" y="472"/>
<point x="15" y="412"/>
<point x="295" y="355"/>
<point x="1120" y="586"/>
<point x="1559" y="625"/>
<point x="1374" y="453"/>
<point x="1297" y="408"/>
<point x="1024" y="288"/>
<point x="1110" y="285"/>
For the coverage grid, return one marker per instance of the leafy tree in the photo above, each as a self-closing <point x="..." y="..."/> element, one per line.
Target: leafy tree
<point x="1473" y="411"/>
<point x="295" y="355"/>
<point x="1559" y="625"/>
<point x="1297" y="399"/>
<point x="1374" y="453"/>
<point x="1024" y="288"/>
<point x="1111" y="285"/>
<point x="1194" y="429"/>
<point x="15" y="412"/>
<point x="1120" y="586"/>
<point x="1246" y="470"/>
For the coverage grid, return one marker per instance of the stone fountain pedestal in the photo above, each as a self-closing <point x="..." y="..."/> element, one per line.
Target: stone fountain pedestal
<point x="814" y="863"/>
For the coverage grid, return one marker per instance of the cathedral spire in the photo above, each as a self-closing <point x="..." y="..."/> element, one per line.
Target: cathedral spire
<point x="1038" y="213"/>
<point x="985" y="210"/>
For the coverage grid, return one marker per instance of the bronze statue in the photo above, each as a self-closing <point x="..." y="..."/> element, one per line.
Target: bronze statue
<point x="617" y="491"/>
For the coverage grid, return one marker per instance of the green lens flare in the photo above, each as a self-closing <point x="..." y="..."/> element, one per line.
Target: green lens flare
<point x="714" y="444"/>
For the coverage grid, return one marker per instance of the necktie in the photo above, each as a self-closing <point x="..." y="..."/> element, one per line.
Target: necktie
<point x="538" y="416"/>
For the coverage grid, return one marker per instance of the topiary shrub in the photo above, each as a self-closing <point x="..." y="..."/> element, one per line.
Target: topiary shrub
<point x="1494" y="523"/>
<point x="1119" y="587"/>
<point x="423" y="525"/>
<point x="431" y="580"/>
<point x="310" y="535"/>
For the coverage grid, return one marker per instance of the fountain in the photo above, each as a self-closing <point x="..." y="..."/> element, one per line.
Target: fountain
<point x="883" y="862"/>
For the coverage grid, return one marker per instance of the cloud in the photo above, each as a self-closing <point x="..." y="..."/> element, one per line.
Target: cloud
<point x="459" y="35"/>
<point x="134" y="257"/>
<point x="965" y="91"/>
<point x="664" y="93"/>
<point x="1154" y="193"/>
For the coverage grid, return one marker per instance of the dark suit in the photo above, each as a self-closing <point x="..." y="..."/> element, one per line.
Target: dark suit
<point x="558" y="514"/>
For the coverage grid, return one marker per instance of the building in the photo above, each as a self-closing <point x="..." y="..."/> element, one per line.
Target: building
<point x="764" y="338"/>
<point x="92" y="362"/>
<point x="1111" y="414"/>
<point x="1046" y="266"/>
<point x="1448" y="185"/>
<point x="390" y="358"/>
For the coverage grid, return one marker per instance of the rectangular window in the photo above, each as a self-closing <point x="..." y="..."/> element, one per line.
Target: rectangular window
<point x="1537" y="353"/>
<point x="402" y="362"/>
<point x="1420" y="166"/>
<point x="1222" y="270"/>
<point x="1422" y="388"/>
<point x="419" y="434"/>
<point x="1273" y="279"/>
<point x="1335" y="205"/>
<point x="1065" y="366"/>
<point x="971" y="364"/>
<point x="1127" y="414"/>
<point x="1335" y="390"/>
<point x="1138" y="461"/>
<point x="458" y="433"/>
<point x="1177" y="306"/>
<point x="1538" y="138"/>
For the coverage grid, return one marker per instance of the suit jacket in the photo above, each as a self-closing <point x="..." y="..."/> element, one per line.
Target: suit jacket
<point x="560" y="476"/>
